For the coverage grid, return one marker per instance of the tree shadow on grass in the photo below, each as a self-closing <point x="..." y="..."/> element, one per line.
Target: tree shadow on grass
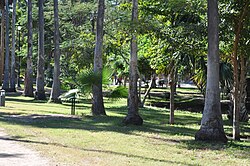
<point x="77" y="106"/>
<point x="155" y="121"/>
<point x="24" y="100"/>
<point x="157" y="130"/>
<point x="92" y="123"/>
<point x="96" y="151"/>
<point x="234" y="149"/>
<point x="14" y="94"/>
<point x="31" y="101"/>
<point x="7" y="155"/>
<point x="202" y="145"/>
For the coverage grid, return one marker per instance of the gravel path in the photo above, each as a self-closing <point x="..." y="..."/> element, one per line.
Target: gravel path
<point x="13" y="153"/>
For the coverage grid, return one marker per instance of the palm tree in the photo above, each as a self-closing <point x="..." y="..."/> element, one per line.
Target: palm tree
<point x="97" y="105"/>
<point x="211" y="124"/>
<point x="13" y="64"/>
<point x="6" y="81"/>
<point x="40" y="93"/>
<point x="2" y="45"/>
<point x="55" y="92"/>
<point x="133" y="116"/>
<point x="28" y="89"/>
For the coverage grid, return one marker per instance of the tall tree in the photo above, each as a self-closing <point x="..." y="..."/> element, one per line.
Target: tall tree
<point x="211" y="124"/>
<point x="239" y="82"/>
<point x="40" y="92"/>
<point x="13" y="49"/>
<point x="133" y="116"/>
<point x="55" y="92"/>
<point x="28" y="82"/>
<point x="6" y="81"/>
<point x="2" y="46"/>
<point x="98" y="106"/>
<point x="172" y="91"/>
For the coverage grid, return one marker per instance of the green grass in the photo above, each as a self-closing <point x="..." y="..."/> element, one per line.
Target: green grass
<point x="105" y="141"/>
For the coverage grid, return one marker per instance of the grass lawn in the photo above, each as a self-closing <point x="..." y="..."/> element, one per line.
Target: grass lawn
<point x="86" y="140"/>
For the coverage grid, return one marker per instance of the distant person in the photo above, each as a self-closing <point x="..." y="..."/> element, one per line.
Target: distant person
<point x="119" y="81"/>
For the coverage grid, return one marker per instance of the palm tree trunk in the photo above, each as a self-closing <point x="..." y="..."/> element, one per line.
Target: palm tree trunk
<point x="49" y="71"/>
<point x="211" y="124"/>
<point x="98" y="105"/>
<point x="28" y="82"/>
<point x="133" y="116"/>
<point x="6" y="81"/>
<point x="13" y="62"/>
<point x="40" y="92"/>
<point x="172" y="91"/>
<point x="2" y="46"/>
<point x="55" y="92"/>
<point x="19" y="60"/>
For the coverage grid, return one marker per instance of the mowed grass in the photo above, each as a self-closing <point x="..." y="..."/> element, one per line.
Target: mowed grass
<point x="87" y="140"/>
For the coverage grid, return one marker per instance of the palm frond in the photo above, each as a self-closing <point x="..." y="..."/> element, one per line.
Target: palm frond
<point x="88" y="78"/>
<point x="119" y="92"/>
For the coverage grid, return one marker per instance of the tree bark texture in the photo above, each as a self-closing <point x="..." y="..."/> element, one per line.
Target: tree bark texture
<point x="13" y="49"/>
<point x="148" y="90"/>
<point x="172" y="91"/>
<point x="28" y="82"/>
<point x="243" y="117"/>
<point x="6" y="80"/>
<point x="139" y="88"/>
<point x="2" y="46"/>
<point x="40" y="92"/>
<point x="98" y="105"/>
<point x="19" y="60"/>
<point x="133" y="116"/>
<point x="56" y="90"/>
<point x="49" y="70"/>
<point x="237" y="89"/>
<point x="211" y="124"/>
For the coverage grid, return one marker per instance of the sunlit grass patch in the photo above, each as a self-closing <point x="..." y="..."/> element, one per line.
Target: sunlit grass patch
<point x="89" y="140"/>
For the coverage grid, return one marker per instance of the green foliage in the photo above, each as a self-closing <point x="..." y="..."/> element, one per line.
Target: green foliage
<point x="226" y="78"/>
<point x="200" y="80"/>
<point x="171" y="35"/>
<point x="175" y="33"/>
<point x="119" y="92"/>
<point x="77" y="38"/>
<point x="88" y="78"/>
<point x="106" y="76"/>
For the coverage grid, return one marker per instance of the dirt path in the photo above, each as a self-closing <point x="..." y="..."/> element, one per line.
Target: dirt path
<point x="13" y="153"/>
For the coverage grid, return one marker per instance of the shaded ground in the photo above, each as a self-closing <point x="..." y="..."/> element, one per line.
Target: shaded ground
<point x="33" y="118"/>
<point x="195" y="105"/>
<point x="88" y="140"/>
<point x="14" y="154"/>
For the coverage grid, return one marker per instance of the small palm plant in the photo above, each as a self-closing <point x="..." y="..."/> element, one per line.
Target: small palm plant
<point x="118" y="92"/>
<point x="85" y="81"/>
<point x="88" y="78"/>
